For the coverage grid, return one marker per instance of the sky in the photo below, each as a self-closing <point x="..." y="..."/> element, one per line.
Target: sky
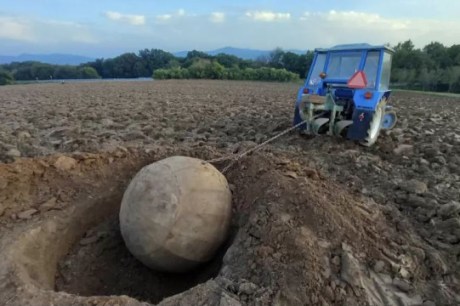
<point x="105" y="28"/>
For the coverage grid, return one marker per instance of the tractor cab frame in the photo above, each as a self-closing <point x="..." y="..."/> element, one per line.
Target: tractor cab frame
<point x="346" y="93"/>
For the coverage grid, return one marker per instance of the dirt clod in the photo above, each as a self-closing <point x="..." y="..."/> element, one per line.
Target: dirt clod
<point x="13" y="153"/>
<point x="27" y="214"/>
<point x="449" y="210"/>
<point x="65" y="163"/>
<point x="401" y="285"/>
<point x="48" y="205"/>
<point x="403" y="149"/>
<point x="415" y="186"/>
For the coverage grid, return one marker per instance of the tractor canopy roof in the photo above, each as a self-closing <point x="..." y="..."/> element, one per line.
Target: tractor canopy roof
<point x="337" y="65"/>
<point x="355" y="47"/>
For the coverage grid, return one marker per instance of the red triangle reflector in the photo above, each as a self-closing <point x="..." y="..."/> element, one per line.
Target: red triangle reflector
<point x="358" y="80"/>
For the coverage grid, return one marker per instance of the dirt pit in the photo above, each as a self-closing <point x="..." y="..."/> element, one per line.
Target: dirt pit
<point x="73" y="244"/>
<point x="100" y="264"/>
<point x="317" y="221"/>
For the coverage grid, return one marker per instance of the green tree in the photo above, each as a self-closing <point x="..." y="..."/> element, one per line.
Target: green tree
<point x="427" y="79"/>
<point x="438" y="54"/>
<point x="41" y="71"/>
<point x="248" y="74"/>
<point x="228" y="61"/>
<point x="234" y="73"/>
<point x="108" y="68"/>
<point x="87" y="72"/>
<point x="192" y="58"/>
<point x="214" y="70"/>
<point x="454" y="85"/>
<point x="407" y="57"/>
<point x="161" y="74"/>
<point x="197" y="54"/>
<point x="275" y="58"/>
<point x="198" y="69"/>
<point x="140" y="70"/>
<point x="178" y="73"/>
<point x="98" y="65"/>
<point x="454" y="54"/>
<point x="291" y="62"/>
<point x="6" y="78"/>
<point x="123" y="66"/>
<point x="66" y="72"/>
<point x="22" y="71"/>
<point x="174" y="63"/>
<point x="155" y="59"/>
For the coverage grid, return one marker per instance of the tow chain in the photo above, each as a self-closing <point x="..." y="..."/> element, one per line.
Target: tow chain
<point x="236" y="157"/>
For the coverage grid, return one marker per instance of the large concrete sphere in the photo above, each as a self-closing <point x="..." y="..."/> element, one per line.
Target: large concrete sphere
<point x="176" y="213"/>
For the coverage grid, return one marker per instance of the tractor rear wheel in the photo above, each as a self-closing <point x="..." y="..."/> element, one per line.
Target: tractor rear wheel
<point x="375" y="125"/>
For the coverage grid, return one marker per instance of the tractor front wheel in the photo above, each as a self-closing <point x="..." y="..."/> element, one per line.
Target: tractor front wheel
<point x="375" y="125"/>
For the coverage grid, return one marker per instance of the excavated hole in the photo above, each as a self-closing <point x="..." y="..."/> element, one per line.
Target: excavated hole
<point x="100" y="264"/>
<point x="79" y="250"/>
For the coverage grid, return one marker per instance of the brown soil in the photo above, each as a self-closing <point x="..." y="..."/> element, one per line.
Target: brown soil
<point x="318" y="221"/>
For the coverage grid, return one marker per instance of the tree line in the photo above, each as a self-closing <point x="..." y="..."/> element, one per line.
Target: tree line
<point x="198" y="65"/>
<point x="208" y="69"/>
<point x="27" y="71"/>
<point x="434" y="67"/>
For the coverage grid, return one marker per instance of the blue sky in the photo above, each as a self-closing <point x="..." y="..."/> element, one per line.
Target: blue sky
<point x="102" y="28"/>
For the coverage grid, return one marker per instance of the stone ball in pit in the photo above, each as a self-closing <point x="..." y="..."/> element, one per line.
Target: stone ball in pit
<point x="176" y="213"/>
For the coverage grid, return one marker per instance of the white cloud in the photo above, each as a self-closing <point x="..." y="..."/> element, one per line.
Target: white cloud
<point x="217" y="17"/>
<point x="168" y="17"/>
<point x="259" y="29"/>
<point x="64" y="31"/>
<point x="15" y="29"/>
<point x="277" y="29"/>
<point x="268" y="16"/>
<point x="305" y="16"/>
<point x="37" y="31"/>
<point x="126" y="18"/>
<point x="84" y="37"/>
<point x="365" y="18"/>
<point x="164" y="17"/>
<point x="338" y="27"/>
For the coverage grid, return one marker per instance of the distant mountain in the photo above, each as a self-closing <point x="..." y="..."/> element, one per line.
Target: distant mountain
<point x="180" y="53"/>
<point x="251" y="54"/>
<point x="240" y="52"/>
<point x="56" y="59"/>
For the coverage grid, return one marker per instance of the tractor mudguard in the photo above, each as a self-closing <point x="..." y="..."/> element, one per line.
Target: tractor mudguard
<point x="369" y="104"/>
<point x="361" y="121"/>
<point x="364" y="111"/>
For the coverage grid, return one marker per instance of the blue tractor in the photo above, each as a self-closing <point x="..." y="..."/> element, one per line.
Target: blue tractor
<point x="346" y="93"/>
